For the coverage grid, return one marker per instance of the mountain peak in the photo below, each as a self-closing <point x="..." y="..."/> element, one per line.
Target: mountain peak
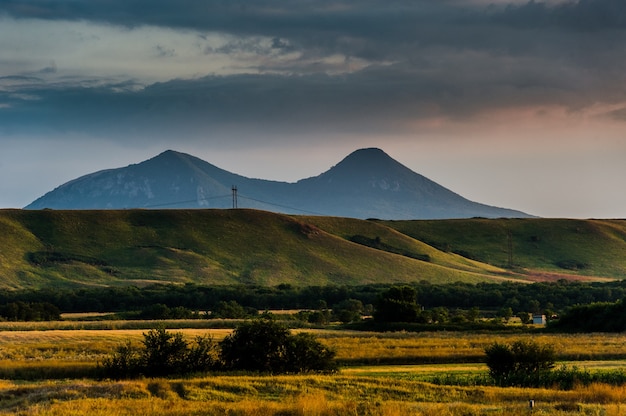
<point x="370" y="155"/>
<point x="367" y="183"/>
<point x="367" y="163"/>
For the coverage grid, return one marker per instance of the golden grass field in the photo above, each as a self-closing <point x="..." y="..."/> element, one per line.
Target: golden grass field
<point x="375" y="388"/>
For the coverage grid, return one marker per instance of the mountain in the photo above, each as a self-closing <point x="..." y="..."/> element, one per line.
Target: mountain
<point x="366" y="184"/>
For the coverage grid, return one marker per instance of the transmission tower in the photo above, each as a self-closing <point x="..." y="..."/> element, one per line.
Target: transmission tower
<point x="234" y="189"/>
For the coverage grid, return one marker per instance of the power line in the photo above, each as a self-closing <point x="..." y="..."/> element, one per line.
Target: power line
<point x="282" y="206"/>
<point x="165" y="204"/>
<point x="235" y="202"/>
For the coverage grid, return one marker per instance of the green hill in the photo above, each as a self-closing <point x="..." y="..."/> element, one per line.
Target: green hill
<point x="67" y="248"/>
<point x="535" y="247"/>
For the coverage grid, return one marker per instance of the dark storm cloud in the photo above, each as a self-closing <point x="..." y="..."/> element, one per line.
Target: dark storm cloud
<point x="372" y="99"/>
<point x="582" y="15"/>
<point x="424" y="59"/>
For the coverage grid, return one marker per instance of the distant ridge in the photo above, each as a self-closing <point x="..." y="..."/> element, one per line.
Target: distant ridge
<point x="368" y="183"/>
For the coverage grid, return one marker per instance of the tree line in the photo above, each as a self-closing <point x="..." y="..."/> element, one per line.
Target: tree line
<point x="554" y="297"/>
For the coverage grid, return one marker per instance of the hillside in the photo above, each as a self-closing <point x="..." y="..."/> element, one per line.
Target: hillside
<point x="67" y="248"/>
<point x="368" y="183"/>
<point x="541" y="248"/>
<point x="119" y="247"/>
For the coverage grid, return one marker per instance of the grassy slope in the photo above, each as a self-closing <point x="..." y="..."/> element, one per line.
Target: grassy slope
<point x="40" y="248"/>
<point x="202" y="246"/>
<point x="598" y="247"/>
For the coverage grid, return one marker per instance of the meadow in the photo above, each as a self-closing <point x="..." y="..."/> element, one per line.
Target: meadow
<point x="53" y="372"/>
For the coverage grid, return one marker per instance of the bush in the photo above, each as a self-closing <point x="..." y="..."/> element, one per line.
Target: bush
<point x="261" y="345"/>
<point x="164" y="354"/>
<point x="523" y="363"/>
<point x="266" y="346"/>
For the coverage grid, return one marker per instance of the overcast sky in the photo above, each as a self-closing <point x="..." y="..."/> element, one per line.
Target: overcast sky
<point x="511" y="103"/>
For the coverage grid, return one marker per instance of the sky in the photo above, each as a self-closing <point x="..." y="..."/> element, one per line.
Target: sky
<point x="517" y="104"/>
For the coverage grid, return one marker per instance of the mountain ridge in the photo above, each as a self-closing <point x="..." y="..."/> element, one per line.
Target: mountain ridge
<point x="367" y="183"/>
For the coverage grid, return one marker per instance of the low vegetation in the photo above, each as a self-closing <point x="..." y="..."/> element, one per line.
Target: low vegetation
<point x="57" y="362"/>
<point x="262" y="345"/>
<point x="523" y="363"/>
<point x="268" y="347"/>
<point x="323" y="395"/>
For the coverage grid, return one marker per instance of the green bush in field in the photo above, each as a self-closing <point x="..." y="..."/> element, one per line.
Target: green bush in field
<point x="164" y="353"/>
<point x="523" y="363"/>
<point x="266" y="346"/>
<point x="262" y="345"/>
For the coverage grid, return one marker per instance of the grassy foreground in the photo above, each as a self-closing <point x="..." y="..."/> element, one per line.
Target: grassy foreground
<point x="67" y="356"/>
<point x="297" y="395"/>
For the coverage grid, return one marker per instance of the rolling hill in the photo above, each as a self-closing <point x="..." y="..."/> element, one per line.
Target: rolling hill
<point x="366" y="184"/>
<point x="50" y="248"/>
<point x="540" y="248"/>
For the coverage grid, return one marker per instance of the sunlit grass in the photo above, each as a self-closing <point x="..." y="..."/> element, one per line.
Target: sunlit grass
<point x="297" y="395"/>
<point x="351" y="347"/>
<point x="69" y="355"/>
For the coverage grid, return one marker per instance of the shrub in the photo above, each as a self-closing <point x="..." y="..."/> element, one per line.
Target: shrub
<point x="523" y="363"/>
<point x="266" y="346"/>
<point x="164" y="354"/>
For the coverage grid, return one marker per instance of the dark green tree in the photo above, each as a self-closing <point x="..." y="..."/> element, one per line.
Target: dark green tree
<point x="506" y="313"/>
<point x="522" y="363"/>
<point x="398" y="304"/>
<point x="349" y="310"/>
<point x="231" y="310"/>
<point x="266" y="346"/>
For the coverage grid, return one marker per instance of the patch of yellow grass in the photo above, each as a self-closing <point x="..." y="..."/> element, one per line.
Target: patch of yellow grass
<point x="295" y="395"/>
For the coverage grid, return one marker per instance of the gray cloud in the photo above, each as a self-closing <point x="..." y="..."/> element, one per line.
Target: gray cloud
<point x="421" y="59"/>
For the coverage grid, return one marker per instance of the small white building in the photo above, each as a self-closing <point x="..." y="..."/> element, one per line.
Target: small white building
<point x="539" y="319"/>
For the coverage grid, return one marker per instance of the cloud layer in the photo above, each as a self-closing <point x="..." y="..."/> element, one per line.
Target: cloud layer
<point x="250" y="72"/>
<point x="274" y="62"/>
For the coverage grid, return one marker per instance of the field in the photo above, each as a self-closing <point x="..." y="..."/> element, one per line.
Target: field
<point x="47" y="372"/>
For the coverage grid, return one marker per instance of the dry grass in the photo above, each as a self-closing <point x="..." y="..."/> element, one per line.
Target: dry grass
<point x="374" y="390"/>
<point x="296" y="395"/>
<point x="450" y="347"/>
<point x="84" y="348"/>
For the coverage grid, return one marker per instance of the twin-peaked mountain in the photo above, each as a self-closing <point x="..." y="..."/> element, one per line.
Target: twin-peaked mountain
<point x="366" y="184"/>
